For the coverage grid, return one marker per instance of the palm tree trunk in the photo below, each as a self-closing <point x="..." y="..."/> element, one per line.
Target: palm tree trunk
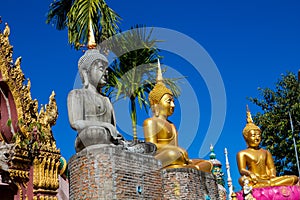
<point x="133" y="118"/>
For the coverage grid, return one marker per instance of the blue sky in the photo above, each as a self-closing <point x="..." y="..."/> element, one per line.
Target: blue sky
<point x="240" y="45"/>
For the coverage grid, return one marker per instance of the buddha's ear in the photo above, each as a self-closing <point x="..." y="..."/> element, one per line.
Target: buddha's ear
<point x="85" y="78"/>
<point x="156" y="110"/>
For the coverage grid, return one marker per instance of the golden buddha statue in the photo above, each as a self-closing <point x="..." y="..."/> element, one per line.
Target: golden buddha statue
<point x="161" y="132"/>
<point x="256" y="164"/>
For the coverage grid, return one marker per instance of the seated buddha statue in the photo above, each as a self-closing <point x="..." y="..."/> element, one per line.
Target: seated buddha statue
<point x="256" y="164"/>
<point x="162" y="132"/>
<point x="90" y="112"/>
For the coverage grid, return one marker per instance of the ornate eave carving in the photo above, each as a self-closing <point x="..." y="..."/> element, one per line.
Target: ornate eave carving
<point x="33" y="145"/>
<point x="27" y="108"/>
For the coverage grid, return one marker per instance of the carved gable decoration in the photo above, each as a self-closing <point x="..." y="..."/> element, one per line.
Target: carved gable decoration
<point x="32" y="163"/>
<point x="19" y="112"/>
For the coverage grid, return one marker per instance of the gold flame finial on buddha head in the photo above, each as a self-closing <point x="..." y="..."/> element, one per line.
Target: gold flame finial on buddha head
<point x="250" y="125"/>
<point x="159" y="89"/>
<point x="91" y="37"/>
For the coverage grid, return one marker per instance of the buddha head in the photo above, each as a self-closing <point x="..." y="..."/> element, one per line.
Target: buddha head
<point x="92" y="67"/>
<point x="251" y="132"/>
<point x="160" y="97"/>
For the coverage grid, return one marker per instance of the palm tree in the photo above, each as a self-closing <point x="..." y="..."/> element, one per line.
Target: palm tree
<point x="132" y="74"/>
<point x="77" y="15"/>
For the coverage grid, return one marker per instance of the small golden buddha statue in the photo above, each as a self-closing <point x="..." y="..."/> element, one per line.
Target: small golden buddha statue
<point x="161" y="132"/>
<point x="256" y="164"/>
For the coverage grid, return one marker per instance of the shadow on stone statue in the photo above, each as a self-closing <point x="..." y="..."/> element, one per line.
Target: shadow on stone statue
<point x="139" y="146"/>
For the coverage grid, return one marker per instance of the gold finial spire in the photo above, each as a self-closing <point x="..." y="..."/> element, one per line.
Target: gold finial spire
<point x="250" y="124"/>
<point x="91" y="37"/>
<point x="159" y="89"/>
<point x="249" y="117"/>
<point x="159" y="77"/>
<point x="6" y="31"/>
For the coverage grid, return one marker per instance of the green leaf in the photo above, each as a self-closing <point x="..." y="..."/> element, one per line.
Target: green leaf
<point x="8" y="123"/>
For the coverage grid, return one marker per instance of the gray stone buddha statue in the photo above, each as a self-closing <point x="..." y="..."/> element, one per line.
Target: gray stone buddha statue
<point x="90" y="112"/>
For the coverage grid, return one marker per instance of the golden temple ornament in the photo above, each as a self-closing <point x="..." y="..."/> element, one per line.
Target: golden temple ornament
<point x="91" y="37"/>
<point x="33" y="152"/>
<point x="159" y="88"/>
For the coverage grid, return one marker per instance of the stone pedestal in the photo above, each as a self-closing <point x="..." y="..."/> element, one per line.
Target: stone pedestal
<point x="107" y="172"/>
<point x="188" y="183"/>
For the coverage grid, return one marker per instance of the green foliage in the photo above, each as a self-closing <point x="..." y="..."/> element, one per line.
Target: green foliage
<point x="20" y="121"/>
<point x="33" y="125"/>
<point x="35" y="145"/>
<point x="8" y="123"/>
<point x="26" y="141"/>
<point x="23" y="141"/>
<point x="57" y="14"/>
<point x="76" y="15"/>
<point x="274" y="122"/>
<point x="132" y="74"/>
<point x="14" y="137"/>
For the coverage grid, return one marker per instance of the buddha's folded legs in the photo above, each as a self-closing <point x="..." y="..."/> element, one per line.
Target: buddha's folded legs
<point x="202" y="165"/>
<point x="276" y="181"/>
<point x="171" y="156"/>
<point x="284" y="180"/>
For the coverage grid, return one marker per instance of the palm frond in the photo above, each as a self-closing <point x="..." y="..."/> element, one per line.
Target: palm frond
<point x="109" y="22"/>
<point x="172" y="83"/>
<point x="133" y="73"/>
<point x="57" y="13"/>
<point x="76" y="15"/>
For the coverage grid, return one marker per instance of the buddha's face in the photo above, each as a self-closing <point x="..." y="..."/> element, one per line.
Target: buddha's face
<point x="97" y="73"/>
<point x="166" y="105"/>
<point x="254" y="138"/>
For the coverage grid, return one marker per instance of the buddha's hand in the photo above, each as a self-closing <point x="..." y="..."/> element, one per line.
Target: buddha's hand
<point x="272" y="176"/>
<point x="253" y="178"/>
